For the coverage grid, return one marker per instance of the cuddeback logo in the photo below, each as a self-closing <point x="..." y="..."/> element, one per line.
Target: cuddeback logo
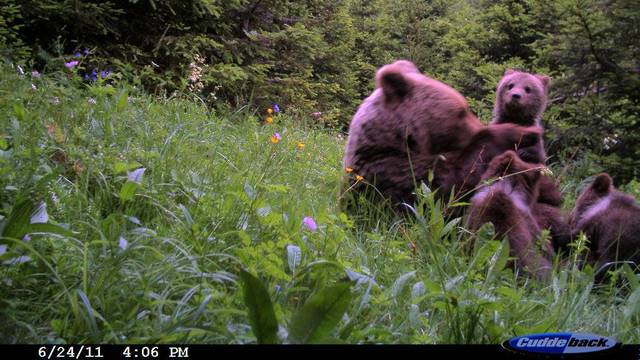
<point x="560" y="343"/>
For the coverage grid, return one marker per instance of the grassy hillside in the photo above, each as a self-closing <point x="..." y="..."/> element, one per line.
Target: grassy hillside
<point x="155" y="256"/>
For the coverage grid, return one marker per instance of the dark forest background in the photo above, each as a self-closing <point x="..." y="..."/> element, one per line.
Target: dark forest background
<point x="321" y="56"/>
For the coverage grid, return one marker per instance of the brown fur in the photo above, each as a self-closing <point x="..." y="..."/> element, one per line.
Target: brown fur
<point x="549" y="192"/>
<point x="555" y="220"/>
<point x="521" y="98"/>
<point x="611" y="221"/>
<point x="409" y="122"/>
<point x="508" y="204"/>
<point x="464" y="169"/>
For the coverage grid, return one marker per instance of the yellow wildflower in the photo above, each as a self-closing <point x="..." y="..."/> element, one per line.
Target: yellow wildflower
<point x="348" y="170"/>
<point x="269" y="120"/>
<point x="359" y="178"/>
<point x="545" y="171"/>
<point x="300" y="145"/>
<point x="269" y="111"/>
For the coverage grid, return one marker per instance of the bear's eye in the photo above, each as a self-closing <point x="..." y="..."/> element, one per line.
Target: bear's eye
<point x="527" y="89"/>
<point x="510" y="86"/>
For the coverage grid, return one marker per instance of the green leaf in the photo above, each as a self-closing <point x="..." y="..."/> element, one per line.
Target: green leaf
<point x="450" y="226"/>
<point x="21" y="114"/>
<point x="320" y="314"/>
<point x="4" y="145"/>
<point x="122" y="101"/>
<point x="120" y="166"/>
<point x="398" y="285"/>
<point x="128" y="190"/>
<point x="261" y="314"/>
<point x="499" y="260"/>
<point x="18" y="223"/>
<point x="50" y="228"/>
<point x="294" y="255"/>
<point x="632" y="307"/>
<point x="631" y="276"/>
<point x="275" y="188"/>
<point x="250" y="191"/>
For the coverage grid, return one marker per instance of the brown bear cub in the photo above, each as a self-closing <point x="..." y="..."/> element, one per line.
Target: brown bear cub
<point x="521" y="98"/>
<point x="404" y="126"/>
<point x="508" y="203"/>
<point x="610" y="220"/>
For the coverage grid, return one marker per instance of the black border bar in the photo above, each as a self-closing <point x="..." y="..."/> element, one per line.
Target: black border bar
<point x="226" y="352"/>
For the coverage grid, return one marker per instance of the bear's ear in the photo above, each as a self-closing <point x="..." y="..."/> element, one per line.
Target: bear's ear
<point x="602" y="184"/>
<point x="544" y="79"/>
<point x="393" y="81"/>
<point x="508" y="72"/>
<point x="406" y="66"/>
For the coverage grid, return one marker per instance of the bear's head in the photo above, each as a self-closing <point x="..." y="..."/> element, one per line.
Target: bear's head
<point x="521" y="98"/>
<point x="595" y="198"/>
<point x="600" y="188"/>
<point x="507" y="173"/>
<point x="429" y="110"/>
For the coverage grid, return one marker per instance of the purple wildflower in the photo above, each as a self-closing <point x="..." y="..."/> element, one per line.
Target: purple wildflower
<point x="105" y="73"/>
<point x="275" y="138"/>
<point x="35" y="74"/>
<point x="77" y="54"/>
<point x="122" y="243"/>
<point x="276" y="108"/>
<point x="310" y="224"/>
<point x="85" y="51"/>
<point x="71" y="64"/>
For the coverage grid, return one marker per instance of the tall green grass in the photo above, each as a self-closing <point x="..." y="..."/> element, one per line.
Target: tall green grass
<point x="158" y="258"/>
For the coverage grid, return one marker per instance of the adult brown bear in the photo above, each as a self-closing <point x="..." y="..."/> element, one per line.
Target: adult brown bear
<point x="412" y="124"/>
